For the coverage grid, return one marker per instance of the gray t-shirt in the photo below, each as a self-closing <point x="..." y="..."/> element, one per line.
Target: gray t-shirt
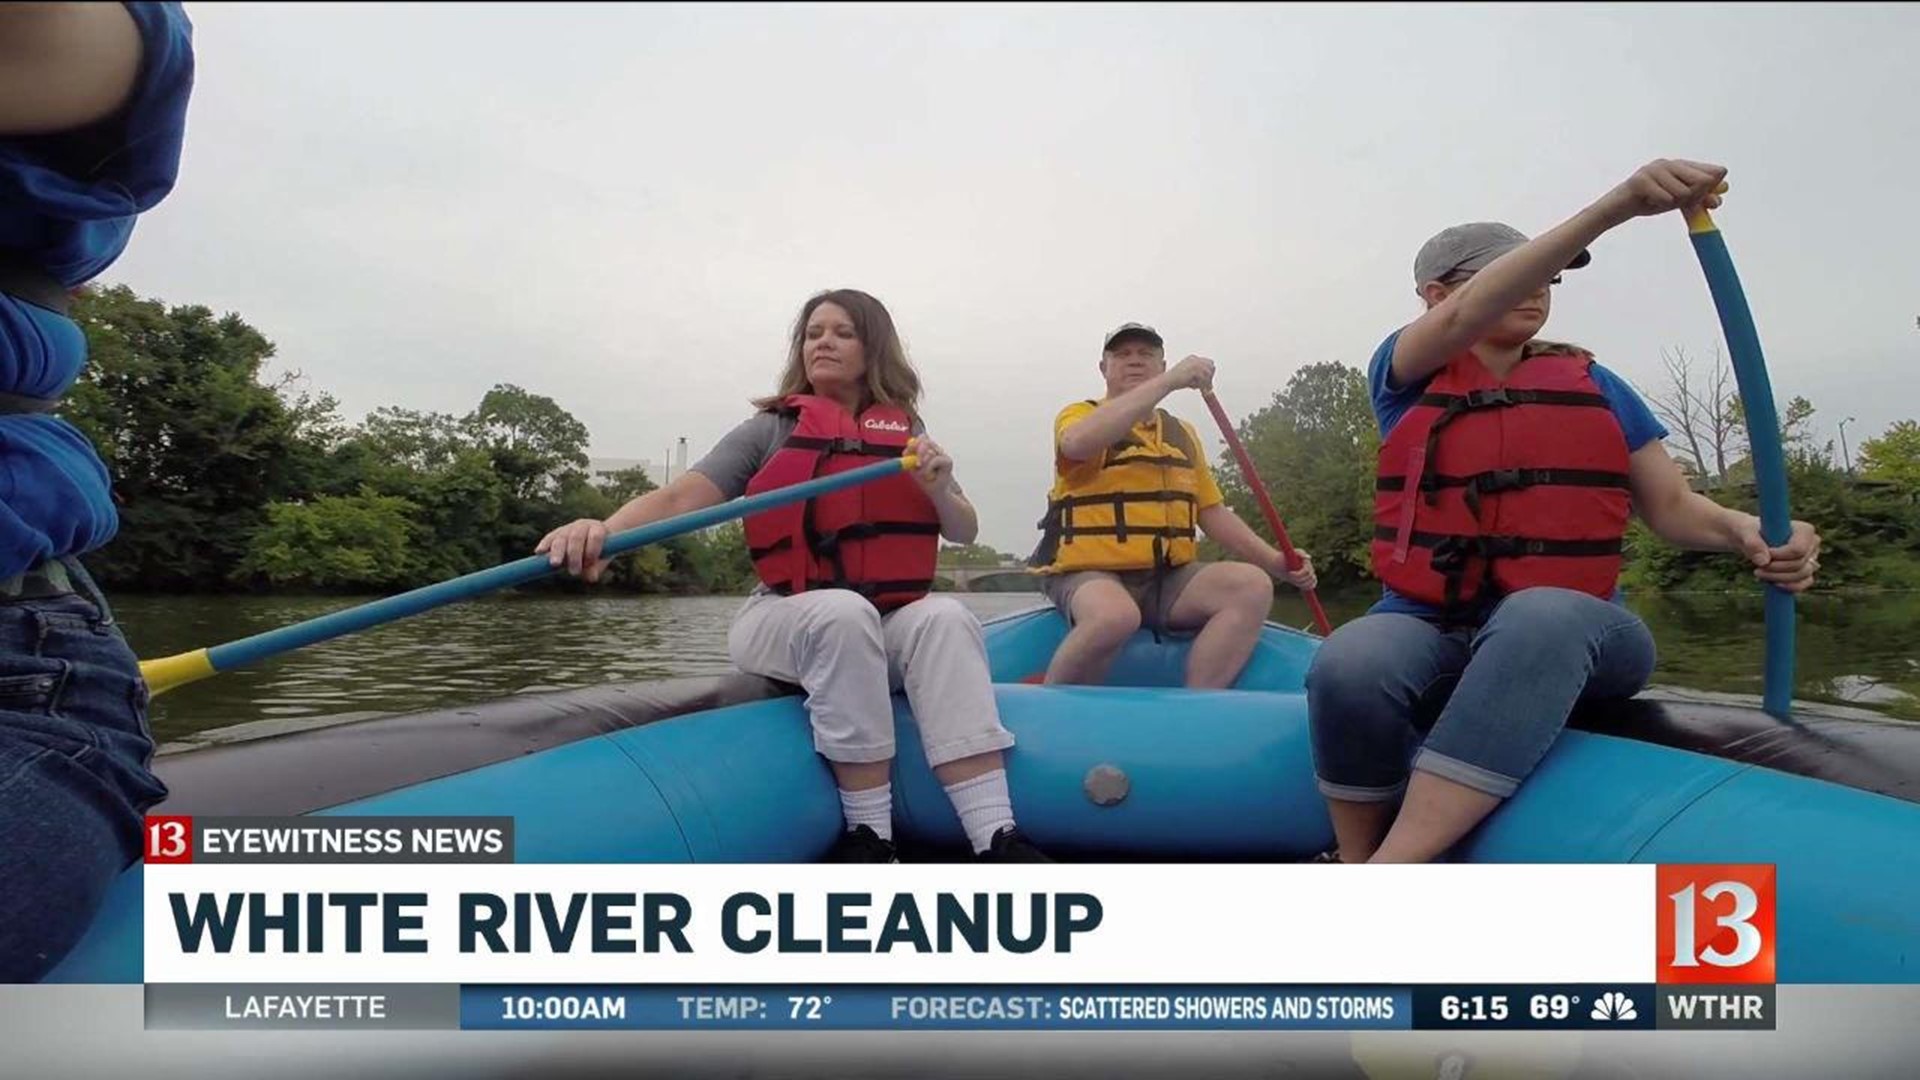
<point x="744" y="450"/>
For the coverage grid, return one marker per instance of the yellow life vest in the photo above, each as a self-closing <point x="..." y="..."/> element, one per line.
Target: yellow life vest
<point x="1135" y="512"/>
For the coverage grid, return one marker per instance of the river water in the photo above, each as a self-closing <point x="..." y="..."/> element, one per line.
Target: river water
<point x="1863" y="650"/>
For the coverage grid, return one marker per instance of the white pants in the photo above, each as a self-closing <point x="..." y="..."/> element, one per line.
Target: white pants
<point x="849" y="659"/>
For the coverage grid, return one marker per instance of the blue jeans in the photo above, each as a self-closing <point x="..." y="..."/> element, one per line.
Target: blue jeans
<point x="74" y="782"/>
<point x="1488" y="700"/>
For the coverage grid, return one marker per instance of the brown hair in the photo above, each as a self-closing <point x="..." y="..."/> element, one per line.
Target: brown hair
<point x="1538" y="347"/>
<point x="890" y="376"/>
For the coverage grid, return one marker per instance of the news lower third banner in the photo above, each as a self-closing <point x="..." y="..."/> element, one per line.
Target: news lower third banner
<point x="426" y="923"/>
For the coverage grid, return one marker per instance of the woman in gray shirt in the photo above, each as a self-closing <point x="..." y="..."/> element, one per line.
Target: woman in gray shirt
<point x="834" y="642"/>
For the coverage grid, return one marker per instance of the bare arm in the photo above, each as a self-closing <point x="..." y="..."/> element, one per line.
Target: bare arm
<point x="64" y="65"/>
<point x="1226" y="528"/>
<point x="1673" y="510"/>
<point x="577" y="544"/>
<point x="1453" y="325"/>
<point x="1088" y="437"/>
<point x="1685" y="518"/>
<point x="959" y="522"/>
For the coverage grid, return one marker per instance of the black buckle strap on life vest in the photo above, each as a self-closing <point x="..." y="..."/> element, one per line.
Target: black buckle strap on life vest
<point x="826" y="545"/>
<point x="1500" y="396"/>
<point x="1119" y="497"/>
<point x="1161" y="564"/>
<point x="809" y="532"/>
<point x="1452" y="553"/>
<point x="843" y="445"/>
<point x="1172" y="432"/>
<point x="1169" y="462"/>
<point x="1504" y="546"/>
<point x="1494" y="481"/>
<point x="26" y="279"/>
<point x="758" y="553"/>
<point x="1048" y="548"/>
<point x="1056" y="525"/>
<point x="1492" y="397"/>
<point x="1169" y="532"/>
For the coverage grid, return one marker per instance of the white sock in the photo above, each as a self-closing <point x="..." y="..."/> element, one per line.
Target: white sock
<point x="872" y="807"/>
<point x="984" y="805"/>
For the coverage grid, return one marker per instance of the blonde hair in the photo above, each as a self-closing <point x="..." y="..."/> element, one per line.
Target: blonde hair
<point x="890" y="378"/>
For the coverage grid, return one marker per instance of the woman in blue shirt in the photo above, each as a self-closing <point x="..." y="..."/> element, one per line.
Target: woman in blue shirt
<point x="1508" y="471"/>
<point x="93" y="102"/>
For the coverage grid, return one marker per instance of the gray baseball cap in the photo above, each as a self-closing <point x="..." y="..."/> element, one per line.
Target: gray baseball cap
<point x="1471" y="247"/>
<point x="1133" y="330"/>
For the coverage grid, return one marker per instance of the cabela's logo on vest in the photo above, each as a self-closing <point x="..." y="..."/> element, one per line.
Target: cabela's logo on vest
<point x="873" y="423"/>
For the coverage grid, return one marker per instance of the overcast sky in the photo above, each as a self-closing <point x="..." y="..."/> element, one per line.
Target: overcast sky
<point x="623" y="207"/>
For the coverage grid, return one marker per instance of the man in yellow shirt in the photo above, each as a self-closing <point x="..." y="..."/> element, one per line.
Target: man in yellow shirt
<point x="1131" y="484"/>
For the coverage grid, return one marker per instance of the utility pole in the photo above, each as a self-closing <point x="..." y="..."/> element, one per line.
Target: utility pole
<point x="1845" y="458"/>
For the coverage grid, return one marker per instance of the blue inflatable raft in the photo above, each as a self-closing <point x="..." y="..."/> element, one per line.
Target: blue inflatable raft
<point x="722" y="769"/>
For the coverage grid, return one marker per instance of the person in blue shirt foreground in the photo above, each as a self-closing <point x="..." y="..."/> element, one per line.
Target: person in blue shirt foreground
<point x="1508" y="471"/>
<point x="93" y="101"/>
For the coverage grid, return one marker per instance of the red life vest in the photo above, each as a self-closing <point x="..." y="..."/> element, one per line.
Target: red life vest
<point x="1485" y="487"/>
<point x="879" y="539"/>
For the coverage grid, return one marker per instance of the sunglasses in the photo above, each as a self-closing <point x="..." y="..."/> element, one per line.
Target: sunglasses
<point x="1460" y="278"/>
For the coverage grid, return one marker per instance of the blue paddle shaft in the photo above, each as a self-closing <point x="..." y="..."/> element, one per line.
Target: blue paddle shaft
<point x="1769" y="457"/>
<point x="260" y="646"/>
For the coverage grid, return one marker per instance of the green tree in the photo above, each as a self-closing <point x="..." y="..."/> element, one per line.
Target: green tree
<point x="711" y="561"/>
<point x="622" y="486"/>
<point x="336" y="542"/>
<point x="539" y="452"/>
<point x="1313" y="448"/>
<point x="196" y="445"/>
<point x="408" y="439"/>
<point x="1894" y="456"/>
<point x="535" y="444"/>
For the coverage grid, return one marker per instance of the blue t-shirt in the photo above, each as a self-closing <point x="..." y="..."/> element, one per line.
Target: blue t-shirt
<point x="68" y="202"/>
<point x="1391" y="402"/>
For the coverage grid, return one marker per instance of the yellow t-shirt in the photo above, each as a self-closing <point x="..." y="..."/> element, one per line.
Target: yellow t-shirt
<point x="1207" y="492"/>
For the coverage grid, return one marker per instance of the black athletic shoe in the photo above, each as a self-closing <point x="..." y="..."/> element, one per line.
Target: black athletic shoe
<point x="862" y="844"/>
<point x="1011" y="845"/>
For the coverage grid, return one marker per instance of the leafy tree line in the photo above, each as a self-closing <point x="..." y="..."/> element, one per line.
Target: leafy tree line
<point x="1315" y="444"/>
<point x="226" y="483"/>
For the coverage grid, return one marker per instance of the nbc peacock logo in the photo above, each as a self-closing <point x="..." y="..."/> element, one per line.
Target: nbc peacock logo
<point x="1614" y="1005"/>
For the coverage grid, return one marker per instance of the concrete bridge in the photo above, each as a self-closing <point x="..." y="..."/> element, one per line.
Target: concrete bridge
<point x="1006" y="577"/>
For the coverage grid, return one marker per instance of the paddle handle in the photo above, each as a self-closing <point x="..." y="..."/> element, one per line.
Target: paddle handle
<point x="1266" y="505"/>
<point x="1763" y="431"/>
<point x="168" y="672"/>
